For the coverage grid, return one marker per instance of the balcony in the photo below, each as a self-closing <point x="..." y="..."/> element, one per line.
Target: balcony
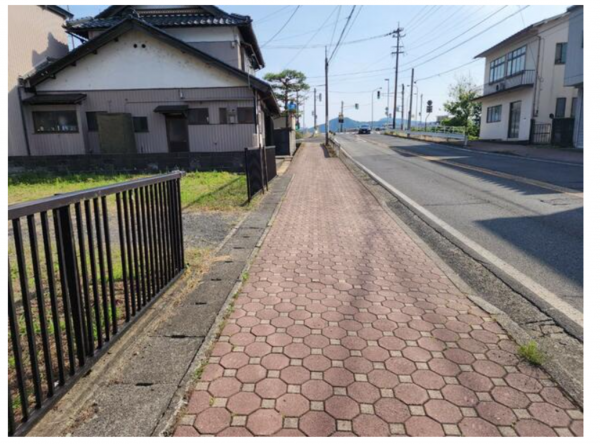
<point x="523" y="79"/>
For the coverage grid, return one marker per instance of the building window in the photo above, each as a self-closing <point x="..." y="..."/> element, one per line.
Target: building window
<point x="494" y="114"/>
<point x="515" y="61"/>
<point x="245" y="115"/>
<point x="223" y="116"/>
<point x="560" y="57"/>
<point x="561" y="106"/>
<point x="55" y="122"/>
<point x="573" y="107"/>
<point x="497" y="69"/>
<point x="140" y="124"/>
<point x="198" y="116"/>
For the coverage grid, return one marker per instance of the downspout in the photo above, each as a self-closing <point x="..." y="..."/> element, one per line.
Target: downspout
<point x="256" y="118"/>
<point x="25" y="133"/>
<point x="537" y="73"/>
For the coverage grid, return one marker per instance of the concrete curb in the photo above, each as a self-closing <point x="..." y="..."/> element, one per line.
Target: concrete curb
<point x="520" y="336"/>
<point x="179" y="402"/>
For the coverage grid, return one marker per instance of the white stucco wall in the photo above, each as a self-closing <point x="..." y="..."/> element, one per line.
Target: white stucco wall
<point x="499" y="130"/>
<point x="120" y="65"/>
<point x="215" y="34"/>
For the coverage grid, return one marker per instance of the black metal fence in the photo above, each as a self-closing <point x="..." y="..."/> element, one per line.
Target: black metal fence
<point x="562" y="131"/>
<point x="261" y="168"/>
<point x="540" y="133"/>
<point x="82" y="267"/>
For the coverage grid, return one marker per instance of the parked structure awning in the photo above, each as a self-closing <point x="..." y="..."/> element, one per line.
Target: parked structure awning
<point x="55" y="99"/>
<point x="171" y="109"/>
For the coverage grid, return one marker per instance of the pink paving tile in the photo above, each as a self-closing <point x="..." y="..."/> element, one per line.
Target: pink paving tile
<point x="346" y="327"/>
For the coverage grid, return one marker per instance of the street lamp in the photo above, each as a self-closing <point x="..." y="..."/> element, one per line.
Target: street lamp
<point x="372" y="104"/>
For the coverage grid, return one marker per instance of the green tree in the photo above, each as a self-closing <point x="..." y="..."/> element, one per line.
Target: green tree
<point x="287" y="85"/>
<point x="462" y="107"/>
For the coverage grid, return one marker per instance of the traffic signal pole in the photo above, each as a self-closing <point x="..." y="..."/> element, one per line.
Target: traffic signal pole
<point x="402" y="115"/>
<point x="412" y="82"/>
<point x="326" y="98"/>
<point x="315" y="111"/>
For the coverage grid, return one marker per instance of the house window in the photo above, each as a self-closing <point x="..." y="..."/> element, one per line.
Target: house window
<point x="497" y="69"/>
<point x="561" y="105"/>
<point x="560" y="57"/>
<point x="515" y="61"/>
<point x="223" y="116"/>
<point x="245" y="115"/>
<point x="140" y="124"/>
<point x="198" y="116"/>
<point x="573" y="107"/>
<point x="55" y="122"/>
<point x="494" y="114"/>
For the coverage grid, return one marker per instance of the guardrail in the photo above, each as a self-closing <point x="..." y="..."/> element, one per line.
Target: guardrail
<point x="457" y="133"/>
<point x="75" y="289"/>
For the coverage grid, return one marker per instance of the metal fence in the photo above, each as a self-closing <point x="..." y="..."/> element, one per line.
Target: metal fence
<point x="261" y="168"/>
<point x="82" y="267"/>
<point x="540" y="133"/>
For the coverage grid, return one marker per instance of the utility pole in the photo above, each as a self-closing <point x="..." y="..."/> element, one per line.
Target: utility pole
<point x="326" y="98"/>
<point x="396" y="33"/>
<point x="341" y="124"/>
<point x="402" y="115"/>
<point x="315" y="111"/>
<point x="387" y="109"/>
<point x="412" y="82"/>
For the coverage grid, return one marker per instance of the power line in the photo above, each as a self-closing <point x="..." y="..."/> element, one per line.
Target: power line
<point x="335" y="28"/>
<point x="423" y="9"/>
<point x="271" y="15"/>
<point x="322" y="45"/>
<point x="447" y="71"/>
<point x="342" y="34"/>
<point x="425" y="18"/>
<point x="283" y="27"/>
<point x="309" y="40"/>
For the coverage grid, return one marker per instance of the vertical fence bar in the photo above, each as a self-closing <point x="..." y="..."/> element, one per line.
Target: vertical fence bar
<point x="53" y="298"/>
<point x="11" y="414"/>
<point x="169" y="230"/>
<point x="105" y="312"/>
<point x="139" y="235"/>
<point x="60" y="251"/>
<point x="180" y="221"/>
<point x="22" y="266"/>
<point x="72" y="280"/>
<point x="174" y="225"/>
<point x="155" y="237"/>
<point x="128" y="245"/>
<point x="134" y="249"/>
<point x="87" y="321"/>
<point x="151" y="252"/>
<point x="109" y="264"/>
<point x="164" y="232"/>
<point x="93" y="270"/>
<point x="17" y="352"/>
<point x="124" y="253"/>
<point x="37" y="276"/>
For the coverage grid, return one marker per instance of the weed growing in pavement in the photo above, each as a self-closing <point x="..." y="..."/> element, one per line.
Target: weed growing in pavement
<point x="531" y="353"/>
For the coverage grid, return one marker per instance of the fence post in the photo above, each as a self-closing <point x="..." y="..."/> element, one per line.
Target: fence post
<point x="72" y="275"/>
<point x="247" y="173"/>
<point x="264" y="158"/>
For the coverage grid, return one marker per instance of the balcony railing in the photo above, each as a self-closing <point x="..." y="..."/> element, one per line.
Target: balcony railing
<point x="525" y="78"/>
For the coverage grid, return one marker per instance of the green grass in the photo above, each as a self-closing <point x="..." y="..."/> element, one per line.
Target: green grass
<point x="210" y="191"/>
<point x="531" y="353"/>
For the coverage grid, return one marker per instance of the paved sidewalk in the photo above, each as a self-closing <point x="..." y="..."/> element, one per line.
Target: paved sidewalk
<point x="346" y="327"/>
<point x="534" y="152"/>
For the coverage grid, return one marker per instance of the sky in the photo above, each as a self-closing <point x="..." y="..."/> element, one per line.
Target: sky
<point x="432" y="42"/>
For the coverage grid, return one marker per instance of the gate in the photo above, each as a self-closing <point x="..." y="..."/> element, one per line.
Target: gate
<point x="562" y="131"/>
<point x="540" y="133"/>
<point x="261" y="168"/>
<point x="82" y="268"/>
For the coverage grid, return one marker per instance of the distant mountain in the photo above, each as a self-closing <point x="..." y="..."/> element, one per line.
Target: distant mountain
<point x="351" y="124"/>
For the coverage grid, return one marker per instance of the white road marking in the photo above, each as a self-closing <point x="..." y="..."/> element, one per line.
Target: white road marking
<point x="543" y="293"/>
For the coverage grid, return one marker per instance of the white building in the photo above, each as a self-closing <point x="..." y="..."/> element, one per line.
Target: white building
<point x="574" y="69"/>
<point x="524" y="82"/>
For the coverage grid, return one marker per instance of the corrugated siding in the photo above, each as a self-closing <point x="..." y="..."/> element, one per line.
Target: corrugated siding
<point x="203" y="138"/>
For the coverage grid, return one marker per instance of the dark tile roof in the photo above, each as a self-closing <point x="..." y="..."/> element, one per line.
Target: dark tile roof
<point x="161" y="20"/>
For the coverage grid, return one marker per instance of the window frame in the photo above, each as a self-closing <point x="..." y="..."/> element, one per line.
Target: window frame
<point x="199" y="120"/>
<point x="512" y="57"/>
<point x="493" y="111"/>
<point x="145" y="128"/>
<point x="562" y="100"/>
<point x="223" y="115"/>
<point x="560" y="58"/>
<point x="496" y="64"/>
<point x="35" y="114"/>
<point x="250" y="110"/>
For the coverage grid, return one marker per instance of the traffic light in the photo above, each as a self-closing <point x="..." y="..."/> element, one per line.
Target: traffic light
<point x="356" y="106"/>
<point x="429" y="106"/>
<point x="378" y="95"/>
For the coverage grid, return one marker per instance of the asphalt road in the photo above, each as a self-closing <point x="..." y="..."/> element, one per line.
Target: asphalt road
<point x="528" y="213"/>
